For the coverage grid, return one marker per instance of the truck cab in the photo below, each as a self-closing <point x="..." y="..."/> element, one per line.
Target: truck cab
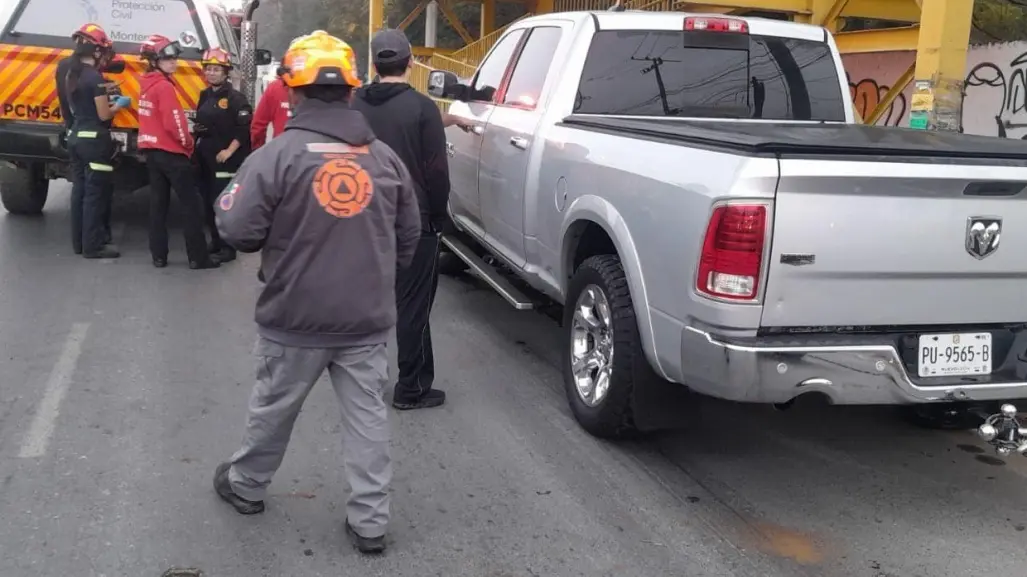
<point x="35" y="35"/>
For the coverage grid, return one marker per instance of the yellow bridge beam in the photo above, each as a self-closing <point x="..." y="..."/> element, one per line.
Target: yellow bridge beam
<point x="897" y="10"/>
<point x="886" y="40"/>
<point x="940" y="64"/>
<point x="375" y="22"/>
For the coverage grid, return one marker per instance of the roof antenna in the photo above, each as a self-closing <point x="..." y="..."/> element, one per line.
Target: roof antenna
<point x="617" y="7"/>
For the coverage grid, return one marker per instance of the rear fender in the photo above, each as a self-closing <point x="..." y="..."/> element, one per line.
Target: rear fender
<point x="591" y="208"/>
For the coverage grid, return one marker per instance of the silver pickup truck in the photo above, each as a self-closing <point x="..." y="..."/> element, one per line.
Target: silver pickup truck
<point x="695" y="193"/>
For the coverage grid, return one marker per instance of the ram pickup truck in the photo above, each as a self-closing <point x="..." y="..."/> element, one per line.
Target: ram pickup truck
<point x="696" y="194"/>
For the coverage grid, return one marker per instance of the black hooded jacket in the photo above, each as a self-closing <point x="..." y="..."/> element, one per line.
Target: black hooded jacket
<point x="411" y="124"/>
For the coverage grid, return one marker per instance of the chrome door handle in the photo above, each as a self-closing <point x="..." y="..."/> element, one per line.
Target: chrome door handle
<point x="478" y="129"/>
<point x="519" y="142"/>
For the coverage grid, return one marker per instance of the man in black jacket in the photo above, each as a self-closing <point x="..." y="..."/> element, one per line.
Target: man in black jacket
<point x="411" y="124"/>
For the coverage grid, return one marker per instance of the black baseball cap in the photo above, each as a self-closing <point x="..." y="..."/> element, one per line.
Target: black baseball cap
<point x="389" y="46"/>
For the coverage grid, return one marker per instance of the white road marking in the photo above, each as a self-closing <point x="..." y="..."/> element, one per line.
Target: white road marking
<point x="38" y="437"/>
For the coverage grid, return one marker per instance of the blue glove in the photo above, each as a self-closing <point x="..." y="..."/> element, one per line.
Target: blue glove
<point x="123" y="101"/>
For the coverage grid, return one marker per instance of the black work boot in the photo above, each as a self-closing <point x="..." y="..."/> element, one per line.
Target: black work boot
<point x="433" y="398"/>
<point x="366" y="545"/>
<point x="103" y="252"/>
<point x="224" y="490"/>
<point x="225" y="254"/>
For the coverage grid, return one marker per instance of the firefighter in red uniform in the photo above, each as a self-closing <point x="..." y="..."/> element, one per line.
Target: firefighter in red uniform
<point x="165" y="140"/>
<point x="272" y="109"/>
<point x="222" y="128"/>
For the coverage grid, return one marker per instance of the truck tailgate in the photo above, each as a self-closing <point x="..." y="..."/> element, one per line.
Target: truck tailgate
<point x="886" y="241"/>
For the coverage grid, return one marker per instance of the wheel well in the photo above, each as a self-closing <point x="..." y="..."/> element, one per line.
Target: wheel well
<point x="586" y="239"/>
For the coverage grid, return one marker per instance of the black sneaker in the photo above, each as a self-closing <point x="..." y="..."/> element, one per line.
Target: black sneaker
<point x="366" y="545"/>
<point x="105" y="252"/>
<point x="160" y="262"/>
<point x="224" y="490"/>
<point x="433" y="398"/>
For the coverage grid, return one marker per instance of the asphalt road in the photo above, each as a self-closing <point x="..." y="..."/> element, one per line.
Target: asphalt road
<point x="122" y="386"/>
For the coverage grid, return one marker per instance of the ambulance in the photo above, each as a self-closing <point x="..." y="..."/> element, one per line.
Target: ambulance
<point x="36" y="34"/>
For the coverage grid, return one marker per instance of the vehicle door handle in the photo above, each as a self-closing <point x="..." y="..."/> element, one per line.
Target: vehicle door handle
<point x="478" y="129"/>
<point x="519" y="142"/>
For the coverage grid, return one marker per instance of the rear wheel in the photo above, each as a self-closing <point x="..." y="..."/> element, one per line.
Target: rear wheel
<point x="603" y="357"/>
<point x="23" y="189"/>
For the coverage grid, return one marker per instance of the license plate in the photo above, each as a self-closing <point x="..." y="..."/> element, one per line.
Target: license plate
<point x="955" y="354"/>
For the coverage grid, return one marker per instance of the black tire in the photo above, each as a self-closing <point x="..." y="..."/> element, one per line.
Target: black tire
<point x="613" y="417"/>
<point x="23" y="189"/>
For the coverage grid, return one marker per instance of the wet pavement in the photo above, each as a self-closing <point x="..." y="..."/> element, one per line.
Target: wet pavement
<point x="122" y="386"/>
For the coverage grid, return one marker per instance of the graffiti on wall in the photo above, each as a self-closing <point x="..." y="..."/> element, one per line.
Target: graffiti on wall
<point x="998" y="90"/>
<point x="868" y="93"/>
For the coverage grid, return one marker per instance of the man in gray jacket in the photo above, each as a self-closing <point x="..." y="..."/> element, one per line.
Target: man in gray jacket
<point x="334" y="212"/>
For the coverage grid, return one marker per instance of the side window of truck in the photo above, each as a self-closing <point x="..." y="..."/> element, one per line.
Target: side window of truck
<point x="492" y="72"/>
<point x="532" y="68"/>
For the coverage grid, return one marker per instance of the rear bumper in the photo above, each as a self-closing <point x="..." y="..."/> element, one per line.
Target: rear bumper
<point x="31" y="141"/>
<point x="751" y="370"/>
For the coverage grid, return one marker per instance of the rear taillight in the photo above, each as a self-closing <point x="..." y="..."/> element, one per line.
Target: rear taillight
<point x="716" y="25"/>
<point x="732" y="252"/>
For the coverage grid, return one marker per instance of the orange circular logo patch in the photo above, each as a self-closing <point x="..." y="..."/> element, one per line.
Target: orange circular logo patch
<point x="343" y="187"/>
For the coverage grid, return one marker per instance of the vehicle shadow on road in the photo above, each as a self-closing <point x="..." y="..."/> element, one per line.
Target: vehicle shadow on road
<point x="837" y="490"/>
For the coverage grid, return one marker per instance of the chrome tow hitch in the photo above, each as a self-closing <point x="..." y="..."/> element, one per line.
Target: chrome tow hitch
<point x="1004" y="432"/>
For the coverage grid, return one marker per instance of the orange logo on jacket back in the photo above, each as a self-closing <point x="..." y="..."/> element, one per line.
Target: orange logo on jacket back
<point x="342" y="187"/>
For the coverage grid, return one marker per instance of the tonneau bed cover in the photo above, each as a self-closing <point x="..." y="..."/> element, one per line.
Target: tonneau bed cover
<point x="804" y="139"/>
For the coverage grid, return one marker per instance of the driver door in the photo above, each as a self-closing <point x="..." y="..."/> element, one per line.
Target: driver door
<point x="463" y="146"/>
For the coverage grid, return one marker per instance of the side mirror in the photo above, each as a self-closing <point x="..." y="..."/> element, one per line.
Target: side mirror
<point x="262" y="57"/>
<point x="445" y="84"/>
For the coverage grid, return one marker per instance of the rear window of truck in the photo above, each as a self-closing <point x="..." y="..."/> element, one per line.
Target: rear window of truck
<point x="657" y="73"/>
<point x="51" y="22"/>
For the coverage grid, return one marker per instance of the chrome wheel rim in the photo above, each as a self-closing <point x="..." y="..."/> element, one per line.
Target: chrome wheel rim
<point x="592" y="345"/>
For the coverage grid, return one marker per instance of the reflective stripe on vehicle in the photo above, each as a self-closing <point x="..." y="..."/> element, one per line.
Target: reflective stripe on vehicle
<point x="100" y="167"/>
<point x="28" y="87"/>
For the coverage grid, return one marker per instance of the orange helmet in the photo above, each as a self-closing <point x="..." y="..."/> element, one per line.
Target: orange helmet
<point x="216" y="57"/>
<point x="319" y="59"/>
<point x="93" y="34"/>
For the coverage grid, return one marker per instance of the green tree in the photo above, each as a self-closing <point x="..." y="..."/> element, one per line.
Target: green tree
<point x="999" y="21"/>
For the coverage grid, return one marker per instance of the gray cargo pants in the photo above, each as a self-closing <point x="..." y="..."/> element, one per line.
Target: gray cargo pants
<point x="285" y="375"/>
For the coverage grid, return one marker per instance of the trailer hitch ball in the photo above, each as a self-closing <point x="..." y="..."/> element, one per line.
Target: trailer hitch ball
<point x="987" y="432"/>
<point x="1004" y="432"/>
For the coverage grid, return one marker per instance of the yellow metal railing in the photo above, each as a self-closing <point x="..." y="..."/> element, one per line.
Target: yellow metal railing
<point x="579" y="5"/>
<point x="475" y="52"/>
<point x="458" y="67"/>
